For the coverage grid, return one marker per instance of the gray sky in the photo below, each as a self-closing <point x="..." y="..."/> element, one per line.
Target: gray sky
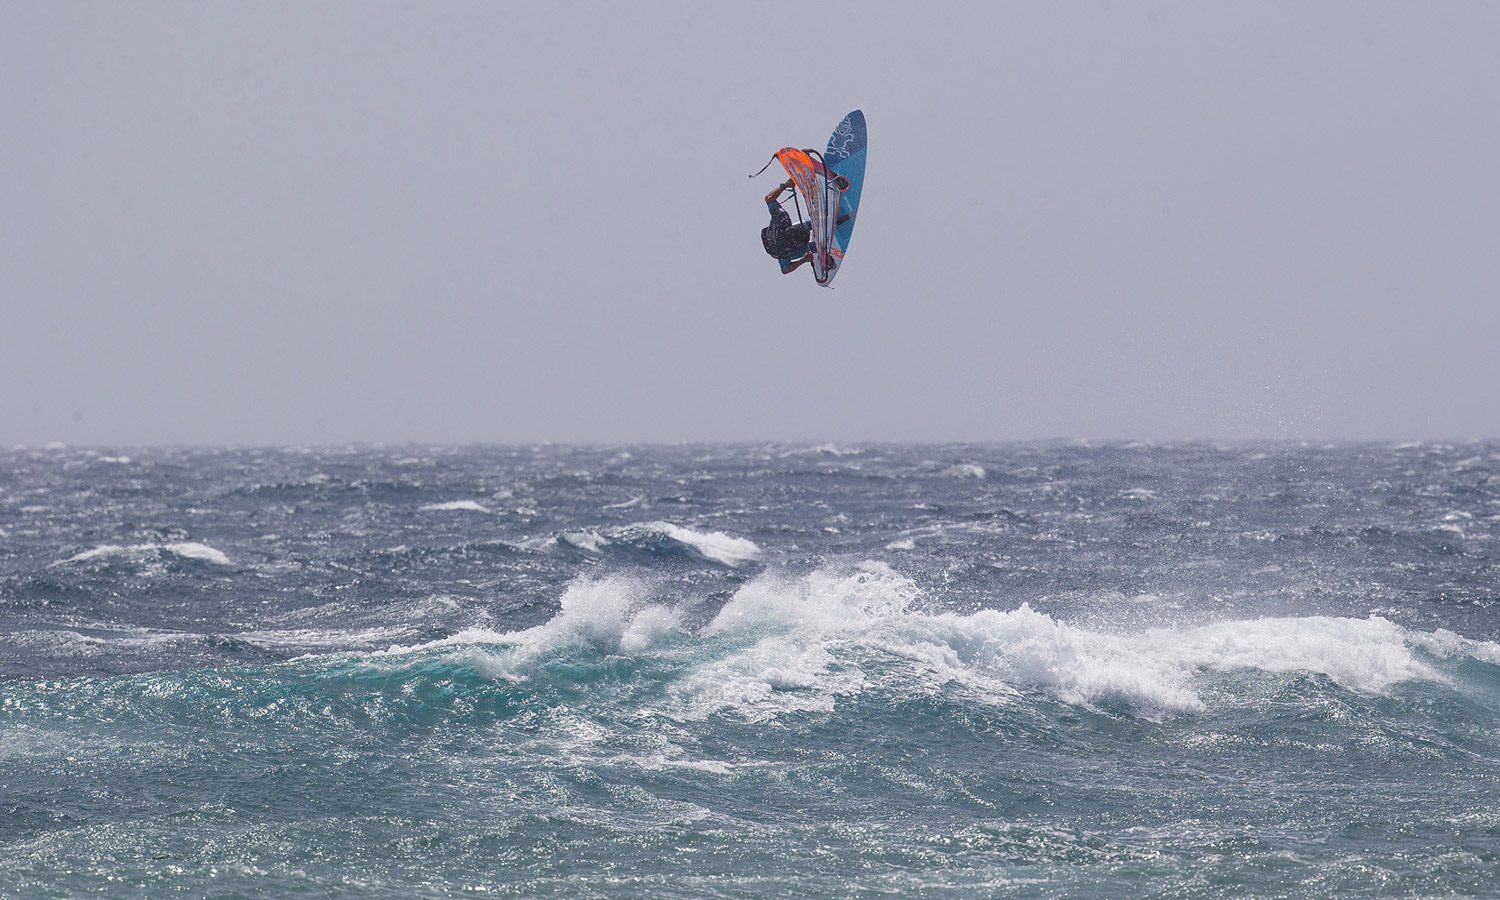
<point x="319" y="222"/>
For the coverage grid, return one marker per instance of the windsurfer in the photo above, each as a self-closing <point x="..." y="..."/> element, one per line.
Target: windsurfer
<point x="788" y="243"/>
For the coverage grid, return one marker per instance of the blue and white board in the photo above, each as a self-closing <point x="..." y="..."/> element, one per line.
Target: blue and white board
<point x="846" y="157"/>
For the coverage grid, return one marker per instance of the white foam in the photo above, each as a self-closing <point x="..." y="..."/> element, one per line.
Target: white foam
<point x="611" y="615"/>
<point x="1002" y="652"/>
<point x="456" y="506"/>
<point x="821" y="450"/>
<point x="783" y="644"/>
<point x="827" y="601"/>
<point x="465" y="638"/>
<point x="311" y="639"/>
<point x="908" y="538"/>
<point x="184" y="549"/>
<point x="822" y="634"/>
<point x="1444" y="644"/>
<point x="1368" y="655"/>
<point x="660" y="761"/>
<point x="777" y="642"/>
<point x="534" y="544"/>
<point x="591" y="541"/>
<point x="628" y="504"/>
<point x="192" y="550"/>
<point x="964" y="470"/>
<point x="714" y="545"/>
<point x="101" y="551"/>
<point x="108" y="639"/>
<point x="1154" y="671"/>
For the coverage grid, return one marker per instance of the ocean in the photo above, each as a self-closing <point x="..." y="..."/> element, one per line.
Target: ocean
<point x="1052" y="670"/>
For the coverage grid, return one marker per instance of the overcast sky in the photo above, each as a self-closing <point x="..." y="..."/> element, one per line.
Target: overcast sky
<point x="325" y="222"/>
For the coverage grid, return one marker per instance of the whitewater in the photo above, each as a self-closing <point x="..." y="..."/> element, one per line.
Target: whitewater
<point x="753" y="671"/>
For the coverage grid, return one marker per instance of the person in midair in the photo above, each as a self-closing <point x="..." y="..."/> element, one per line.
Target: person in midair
<point x="789" y="244"/>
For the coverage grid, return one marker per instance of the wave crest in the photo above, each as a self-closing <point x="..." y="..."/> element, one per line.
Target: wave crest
<point x="784" y="644"/>
<point x="190" y="550"/>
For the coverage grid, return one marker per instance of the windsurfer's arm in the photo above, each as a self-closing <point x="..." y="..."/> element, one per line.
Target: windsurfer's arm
<point x="775" y="196"/>
<point x="789" y="268"/>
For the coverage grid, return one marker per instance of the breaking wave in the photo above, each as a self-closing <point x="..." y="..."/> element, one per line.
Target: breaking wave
<point x="665" y="539"/>
<point x="784" y="644"/>
<point x="183" y="550"/>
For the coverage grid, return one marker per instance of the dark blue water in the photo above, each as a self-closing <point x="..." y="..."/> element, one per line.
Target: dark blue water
<point x="1058" y="670"/>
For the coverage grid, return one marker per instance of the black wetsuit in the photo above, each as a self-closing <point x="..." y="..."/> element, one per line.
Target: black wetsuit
<point x="779" y="239"/>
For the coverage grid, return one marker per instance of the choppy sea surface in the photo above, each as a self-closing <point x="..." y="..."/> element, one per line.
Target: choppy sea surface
<point x="1053" y="671"/>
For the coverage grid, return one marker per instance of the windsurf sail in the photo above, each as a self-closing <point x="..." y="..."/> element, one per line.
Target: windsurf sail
<point x="819" y="189"/>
